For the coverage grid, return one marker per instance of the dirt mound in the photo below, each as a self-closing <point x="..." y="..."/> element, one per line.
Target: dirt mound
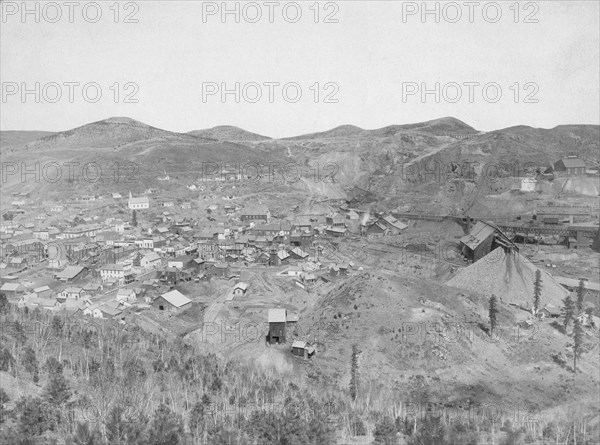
<point x="510" y="277"/>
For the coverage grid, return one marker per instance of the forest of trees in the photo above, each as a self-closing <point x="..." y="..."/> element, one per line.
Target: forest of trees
<point x="77" y="383"/>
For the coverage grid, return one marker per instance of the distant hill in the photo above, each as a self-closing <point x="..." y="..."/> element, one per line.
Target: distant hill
<point x="447" y="126"/>
<point x="228" y="133"/>
<point x="107" y="133"/>
<point x="340" y="158"/>
<point x="143" y="152"/>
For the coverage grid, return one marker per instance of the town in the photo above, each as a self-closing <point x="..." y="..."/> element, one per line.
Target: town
<point x="173" y="266"/>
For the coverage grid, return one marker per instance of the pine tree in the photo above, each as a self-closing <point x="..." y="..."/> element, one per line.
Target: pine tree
<point x="537" y="291"/>
<point x="134" y="218"/>
<point x="166" y="428"/>
<point x="567" y="311"/>
<point x="4" y="304"/>
<point x="386" y="432"/>
<point x="30" y="362"/>
<point x="580" y="296"/>
<point x="577" y="342"/>
<point x="493" y="311"/>
<point x="3" y="399"/>
<point x="123" y="429"/>
<point x="354" y="373"/>
<point x="85" y="434"/>
<point x="57" y="390"/>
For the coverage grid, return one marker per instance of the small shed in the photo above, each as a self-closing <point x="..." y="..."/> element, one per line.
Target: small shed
<point x="277" y="319"/>
<point x="240" y="289"/>
<point x="550" y="312"/>
<point x="302" y="349"/>
<point x="172" y="301"/>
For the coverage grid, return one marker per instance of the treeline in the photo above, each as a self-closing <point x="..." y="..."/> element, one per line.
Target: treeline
<point x="64" y="384"/>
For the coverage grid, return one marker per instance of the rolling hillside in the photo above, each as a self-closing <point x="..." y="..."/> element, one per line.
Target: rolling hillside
<point x="14" y="139"/>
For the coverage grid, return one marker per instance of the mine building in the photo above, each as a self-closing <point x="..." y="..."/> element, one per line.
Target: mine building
<point x="483" y="238"/>
<point x="277" y="319"/>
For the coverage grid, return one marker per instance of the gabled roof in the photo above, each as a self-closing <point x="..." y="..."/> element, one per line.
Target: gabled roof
<point x="117" y="267"/>
<point x="241" y="285"/>
<point x="282" y="254"/>
<point x="394" y="222"/>
<point x="299" y="344"/>
<point x="73" y="290"/>
<point x="479" y="233"/>
<point x="11" y="287"/>
<point x="70" y="272"/>
<point x="41" y="289"/>
<point x="276" y="316"/>
<point x="573" y="162"/>
<point x="139" y="200"/>
<point x="379" y="225"/>
<point x="109" y="310"/>
<point x="176" y="298"/>
<point x="152" y="256"/>
<point x="299" y="252"/>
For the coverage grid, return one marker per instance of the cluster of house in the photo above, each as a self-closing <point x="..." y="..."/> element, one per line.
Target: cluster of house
<point x="566" y="167"/>
<point x="112" y="253"/>
<point x="78" y="300"/>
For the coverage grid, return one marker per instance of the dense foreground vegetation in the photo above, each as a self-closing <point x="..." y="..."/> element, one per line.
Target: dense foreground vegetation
<point x="68" y="381"/>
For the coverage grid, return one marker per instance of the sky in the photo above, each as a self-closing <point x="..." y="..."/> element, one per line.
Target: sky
<point x="289" y="68"/>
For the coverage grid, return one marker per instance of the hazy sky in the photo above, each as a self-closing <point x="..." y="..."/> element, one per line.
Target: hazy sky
<point x="366" y="61"/>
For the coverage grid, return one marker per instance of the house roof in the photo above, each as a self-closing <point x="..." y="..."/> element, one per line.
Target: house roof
<point x="552" y="310"/>
<point x="394" y="222"/>
<point x="176" y="298"/>
<point x="11" y="287"/>
<point x="299" y="252"/>
<point x="282" y="254"/>
<point x="299" y="344"/>
<point x="479" y="233"/>
<point x="70" y="272"/>
<point x="573" y="162"/>
<point x="276" y="316"/>
<point x="378" y="225"/>
<point x="139" y="200"/>
<point x="152" y="256"/>
<point x="337" y="229"/>
<point x="117" y="267"/>
<point x="273" y="227"/>
<point x="109" y="310"/>
<point x="73" y="290"/>
<point x="241" y="285"/>
<point x="41" y="289"/>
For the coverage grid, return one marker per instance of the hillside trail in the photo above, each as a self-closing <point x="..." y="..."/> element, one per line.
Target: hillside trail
<point x="211" y="313"/>
<point x="431" y="153"/>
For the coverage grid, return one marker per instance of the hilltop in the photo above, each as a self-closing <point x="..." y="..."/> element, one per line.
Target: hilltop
<point x="447" y="126"/>
<point x="107" y="133"/>
<point x="228" y="133"/>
